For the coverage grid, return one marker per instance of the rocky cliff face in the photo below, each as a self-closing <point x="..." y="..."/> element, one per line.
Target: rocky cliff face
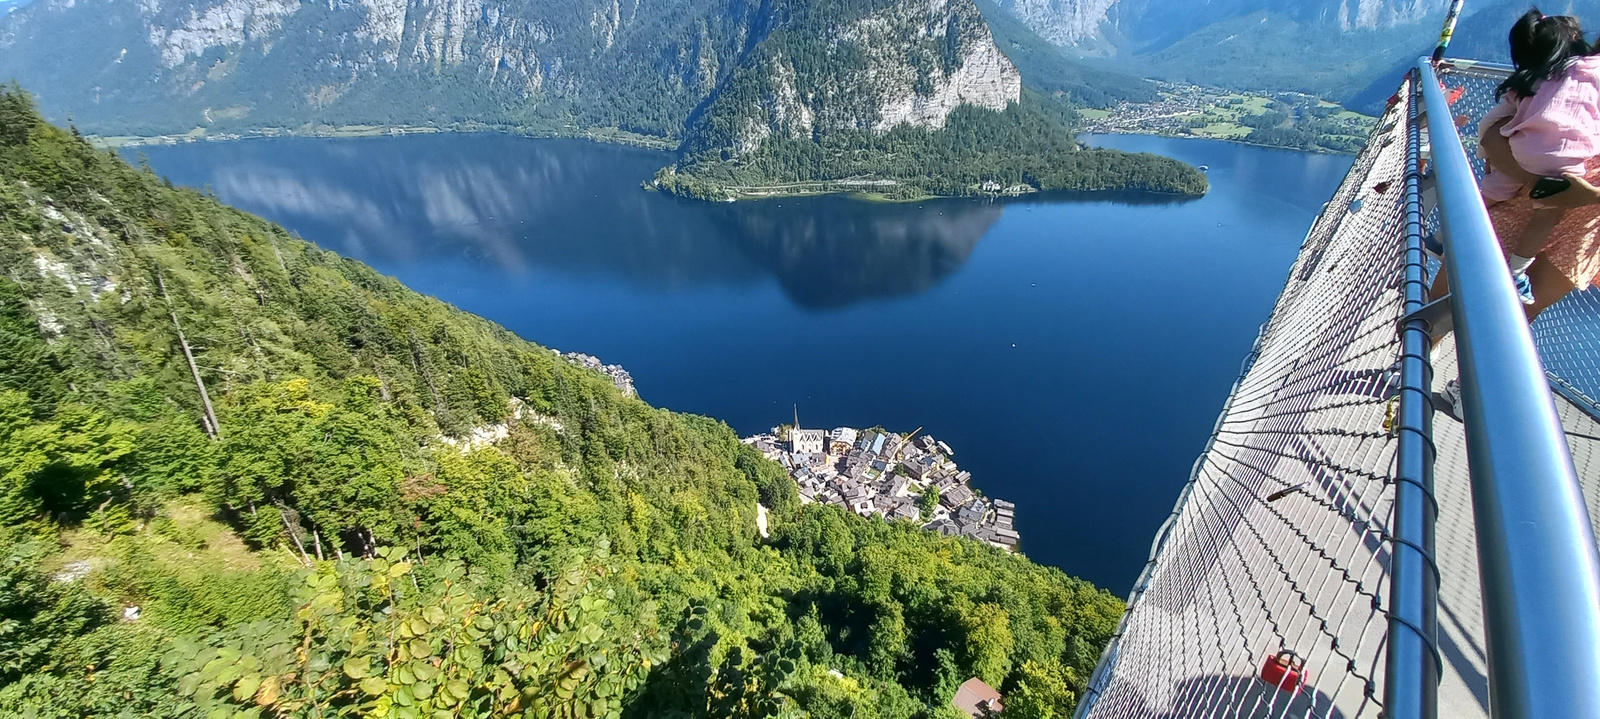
<point x="1063" y="22"/>
<point x="910" y="63"/>
<point x="162" y="66"/>
<point x="975" y="71"/>
<point x="170" y="66"/>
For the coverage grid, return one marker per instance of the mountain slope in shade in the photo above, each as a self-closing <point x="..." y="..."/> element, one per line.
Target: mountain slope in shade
<point x="1481" y="35"/>
<point x="1145" y="25"/>
<point x="1328" y="47"/>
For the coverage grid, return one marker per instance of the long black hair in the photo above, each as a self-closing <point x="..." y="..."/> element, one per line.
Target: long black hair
<point x="1541" y="49"/>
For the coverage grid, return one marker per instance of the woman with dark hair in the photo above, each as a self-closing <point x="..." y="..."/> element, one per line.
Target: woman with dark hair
<point x="1549" y="120"/>
<point x="1547" y="125"/>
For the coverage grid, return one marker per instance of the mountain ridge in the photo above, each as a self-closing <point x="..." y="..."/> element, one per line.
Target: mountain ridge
<point x="1331" y="48"/>
<point x="755" y="83"/>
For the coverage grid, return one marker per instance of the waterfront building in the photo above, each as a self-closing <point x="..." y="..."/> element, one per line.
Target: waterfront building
<point x="806" y="441"/>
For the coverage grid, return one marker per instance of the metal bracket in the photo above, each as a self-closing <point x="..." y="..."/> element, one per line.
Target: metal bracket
<point x="1437" y="315"/>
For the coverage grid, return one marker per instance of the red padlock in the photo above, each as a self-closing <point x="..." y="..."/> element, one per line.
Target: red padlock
<point x="1286" y="671"/>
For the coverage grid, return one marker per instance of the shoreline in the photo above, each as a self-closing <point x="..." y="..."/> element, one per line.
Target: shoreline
<point x="847" y="188"/>
<point x="859" y="189"/>
<point x="853" y="189"/>
<point x="608" y="136"/>
<point x="1230" y="140"/>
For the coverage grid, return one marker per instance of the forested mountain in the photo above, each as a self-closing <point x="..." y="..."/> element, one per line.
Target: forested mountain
<point x="164" y="67"/>
<point x="241" y="473"/>
<point x="727" y="81"/>
<point x="1334" y="48"/>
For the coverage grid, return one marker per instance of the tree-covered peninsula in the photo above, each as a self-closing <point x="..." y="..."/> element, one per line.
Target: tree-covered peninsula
<point x="1022" y="149"/>
<point x="242" y="476"/>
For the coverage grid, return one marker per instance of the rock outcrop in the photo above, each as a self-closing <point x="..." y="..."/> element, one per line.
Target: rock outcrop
<point x="1063" y="22"/>
<point x="910" y="63"/>
<point x="226" y="24"/>
<point x="981" y="76"/>
<point x="170" y="66"/>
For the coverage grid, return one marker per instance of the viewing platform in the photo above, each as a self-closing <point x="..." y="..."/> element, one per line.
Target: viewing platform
<point x="1346" y="547"/>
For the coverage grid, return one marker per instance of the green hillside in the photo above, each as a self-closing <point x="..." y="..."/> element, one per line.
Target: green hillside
<point x="337" y="542"/>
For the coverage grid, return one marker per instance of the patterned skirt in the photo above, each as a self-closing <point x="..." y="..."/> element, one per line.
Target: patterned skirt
<point x="1574" y="245"/>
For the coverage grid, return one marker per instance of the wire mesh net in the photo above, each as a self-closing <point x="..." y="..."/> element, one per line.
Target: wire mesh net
<point x="1568" y="333"/>
<point x="1279" y="542"/>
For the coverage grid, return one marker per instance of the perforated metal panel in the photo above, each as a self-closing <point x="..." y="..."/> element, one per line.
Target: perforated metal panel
<point x="1279" y="541"/>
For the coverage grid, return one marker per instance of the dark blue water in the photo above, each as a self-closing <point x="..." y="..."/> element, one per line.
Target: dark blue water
<point x="1073" y="351"/>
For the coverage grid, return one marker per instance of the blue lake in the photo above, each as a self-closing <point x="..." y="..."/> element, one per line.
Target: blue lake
<point x="1075" y="351"/>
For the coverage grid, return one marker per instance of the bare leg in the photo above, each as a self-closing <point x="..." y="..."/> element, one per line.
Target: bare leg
<point x="1549" y="286"/>
<point x="1537" y="233"/>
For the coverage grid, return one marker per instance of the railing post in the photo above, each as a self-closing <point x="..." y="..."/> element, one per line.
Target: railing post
<point x="1537" y="559"/>
<point x="1449" y="30"/>
<point x="1411" y="676"/>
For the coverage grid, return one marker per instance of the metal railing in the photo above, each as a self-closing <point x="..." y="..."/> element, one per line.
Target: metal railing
<point x="1537" y="556"/>
<point x="1411" y="667"/>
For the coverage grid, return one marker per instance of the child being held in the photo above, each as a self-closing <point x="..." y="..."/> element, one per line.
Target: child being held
<point x="1550" y="106"/>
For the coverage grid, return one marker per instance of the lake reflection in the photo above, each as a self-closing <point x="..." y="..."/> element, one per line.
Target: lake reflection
<point x="1073" y="350"/>
<point x="569" y="206"/>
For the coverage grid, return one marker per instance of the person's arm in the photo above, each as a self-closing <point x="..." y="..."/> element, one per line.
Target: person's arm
<point x="1497" y="150"/>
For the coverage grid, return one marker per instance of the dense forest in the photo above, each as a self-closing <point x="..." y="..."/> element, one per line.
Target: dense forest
<point x="242" y="476"/>
<point x="1025" y="148"/>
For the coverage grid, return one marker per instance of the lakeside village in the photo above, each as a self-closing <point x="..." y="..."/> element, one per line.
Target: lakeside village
<point x="618" y="375"/>
<point x="898" y="477"/>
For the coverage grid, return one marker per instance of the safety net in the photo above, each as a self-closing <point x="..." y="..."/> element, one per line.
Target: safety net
<point x="1265" y="594"/>
<point x="1266" y="591"/>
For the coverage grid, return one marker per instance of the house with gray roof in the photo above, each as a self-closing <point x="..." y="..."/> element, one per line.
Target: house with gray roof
<point x="955" y="496"/>
<point x="921" y="467"/>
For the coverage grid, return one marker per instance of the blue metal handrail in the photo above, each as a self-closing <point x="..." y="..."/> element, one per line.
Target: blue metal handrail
<point x="1537" y="558"/>
<point x="1411" y="667"/>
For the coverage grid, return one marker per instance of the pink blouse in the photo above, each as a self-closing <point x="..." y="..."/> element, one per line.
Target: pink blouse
<point x="1552" y="133"/>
